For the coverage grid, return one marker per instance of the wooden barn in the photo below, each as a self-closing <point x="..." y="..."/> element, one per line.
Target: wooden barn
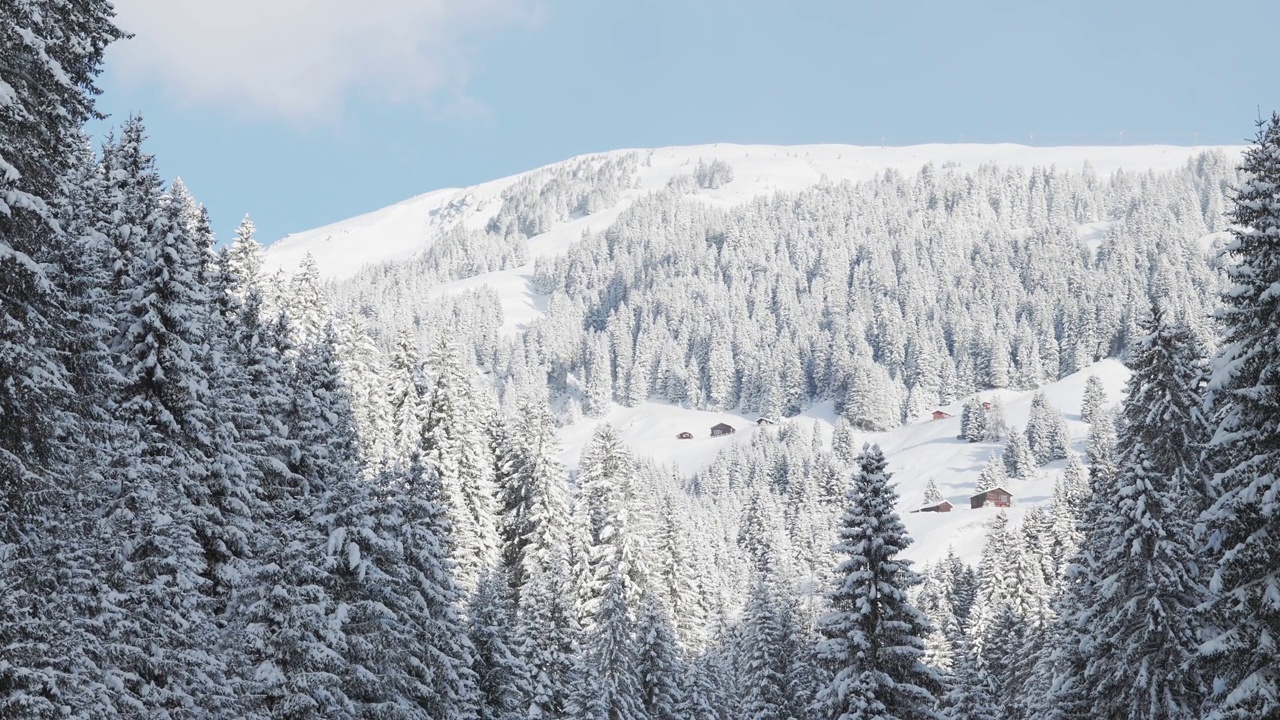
<point x="686" y="435"/>
<point x="995" y="497"/>
<point x="941" y="414"/>
<point x="722" y="429"/>
<point x="943" y="506"/>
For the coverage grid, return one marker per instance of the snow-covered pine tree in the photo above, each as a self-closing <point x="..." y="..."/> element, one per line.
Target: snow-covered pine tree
<point x="674" y="575"/>
<point x="875" y="636"/>
<point x="453" y="446"/>
<point x="843" y="443"/>
<point x="972" y="421"/>
<point x="363" y="372"/>
<point x="1095" y="399"/>
<point x="660" y="662"/>
<point x="1047" y="434"/>
<point x="971" y="694"/>
<point x="598" y="380"/>
<point x="283" y="616"/>
<point x="1017" y="457"/>
<point x="548" y="636"/>
<point x="1070" y="639"/>
<point x="305" y="302"/>
<point x="245" y="258"/>
<point x="406" y="392"/>
<point x="721" y="374"/>
<point x="1144" y="633"/>
<point x="996" y="575"/>
<point x="293" y="613"/>
<point x="764" y="661"/>
<point x="231" y="511"/>
<point x="994" y="426"/>
<point x="870" y="402"/>
<point x="962" y="586"/>
<point x="607" y="489"/>
<point x="164" y="522"/>
<point x="50" y="353"/>
<point x="932" y="495"/>
<point x="992" y="476"/>
<point x="933" y="599"/>
<point x="533" y="497"/>
<point x="501" y="676"/>
<point x="608" y="685"/>
<point x="1244" y="521"/>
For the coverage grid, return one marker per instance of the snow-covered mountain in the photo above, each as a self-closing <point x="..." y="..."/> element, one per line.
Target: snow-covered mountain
<point x="917" y="451"/>
<point x="402" y="230"/>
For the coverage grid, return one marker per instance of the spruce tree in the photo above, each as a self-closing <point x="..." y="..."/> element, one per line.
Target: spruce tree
<point x="994" y="425"/>
<point x="1095" y="399"/>
<point x="549" y="636"/>
<point x="245" y="258"/>
<point x="1244" y="520"/>
<point x="972" y="421"/>
<point x="675" y="575"/>
<point x="661" y="664"/>
<point x="533" y="497"/>
<point x="932" y="495"/>
<point x="1018" y="461"/>
<point x="996" y="575"/>
<point x="1144" y="631"/>
<point x="501" y="676"/>
<point x="992" y="476"/>
<point x="444" y="681"/>
<point x="875" y="636"/>
<point x="1102" y="449"/>
<point x="608" y="684"/>
<point x="305" y="302"/>
<point x="51" y="359"/>
<point x="971" y="692"/>
<point x="452" y="443"/>
<point x="765" y="665"/>
<point x="165" y="522"/>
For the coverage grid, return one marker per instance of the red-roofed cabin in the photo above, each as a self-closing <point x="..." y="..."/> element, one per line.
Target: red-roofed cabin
<point x="986" y="406"/>
<point x="943" y="506"/>
<point x="941" y="414"/>
<point x="995" y="497"/>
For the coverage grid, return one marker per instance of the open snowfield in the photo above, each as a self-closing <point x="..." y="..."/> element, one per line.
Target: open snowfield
<point x="917" y="452"/>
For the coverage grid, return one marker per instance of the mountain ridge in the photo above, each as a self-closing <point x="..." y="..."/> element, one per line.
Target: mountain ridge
<point x="404" y="229"/>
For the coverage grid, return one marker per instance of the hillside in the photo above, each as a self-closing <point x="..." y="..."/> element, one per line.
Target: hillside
<point x="917" y="452"/>
<point x="552" y="208"/>
<point x="402" y="230"/>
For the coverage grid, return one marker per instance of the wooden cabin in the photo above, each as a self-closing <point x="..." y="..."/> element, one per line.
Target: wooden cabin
<point x="943" y="506"/>
<point x="941" y="414"/>
<point x="986" y="405"/>
<point x="995" y="497"/>
<point x="766" y="421"/>
<point x="722" y="429"/>
<point x="686" y="435"/>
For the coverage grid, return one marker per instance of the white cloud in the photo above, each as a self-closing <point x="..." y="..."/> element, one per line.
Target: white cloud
<point x="303" y="59"/>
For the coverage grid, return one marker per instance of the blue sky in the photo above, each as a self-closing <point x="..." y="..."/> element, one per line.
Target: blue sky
<point x="303" y="113"/>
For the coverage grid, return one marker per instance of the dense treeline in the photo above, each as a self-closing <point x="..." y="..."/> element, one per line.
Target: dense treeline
<point x="888" y="297"/>
<point x="219" y="498"/>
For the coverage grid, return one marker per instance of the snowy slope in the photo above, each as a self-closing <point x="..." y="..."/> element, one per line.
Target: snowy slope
<point x="406" y="228"/>
<point x="916" y="453"/>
